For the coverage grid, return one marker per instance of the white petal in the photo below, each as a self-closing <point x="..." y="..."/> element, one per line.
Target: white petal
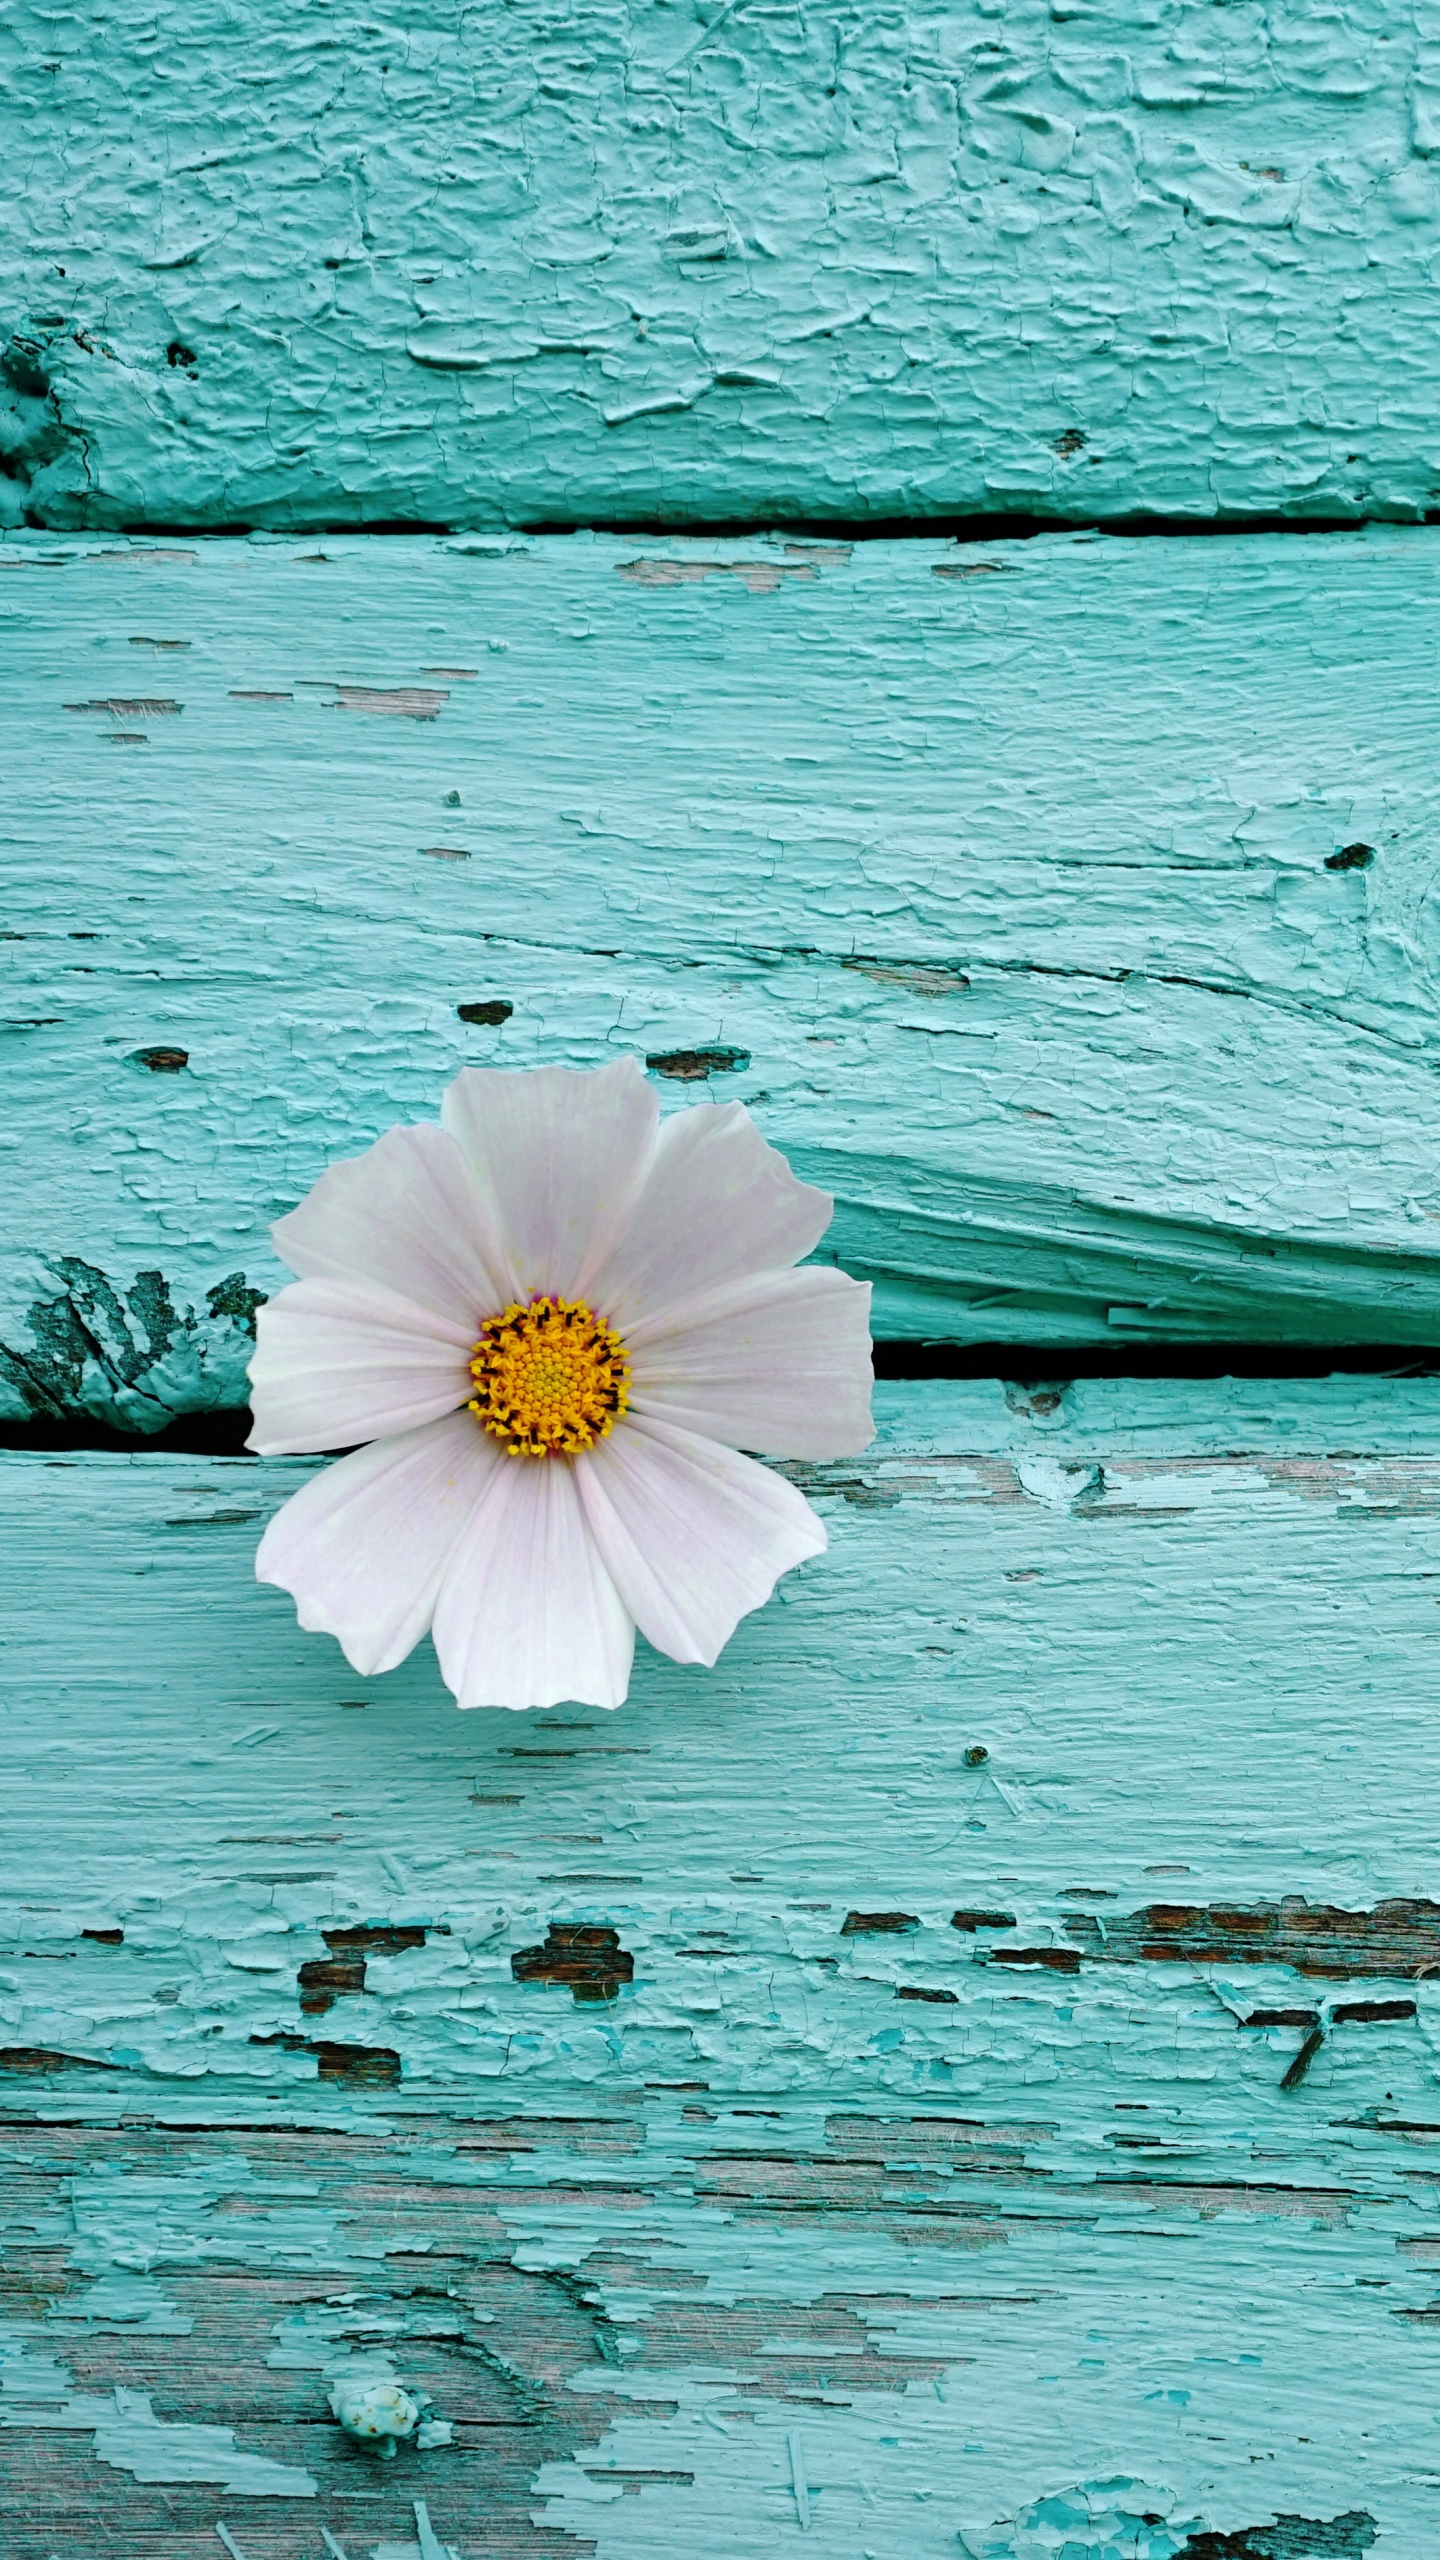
<point x="694" y="1535"/>
<point x="338" y="1361"/>
<point x="780" y="1363"/>
<point x="719" y="1205"/>
<point x="363" y="1545"/>
<point x="408" y="1216"/>
<point x="527" y="1614"/>
<point x="561" y="1159"/>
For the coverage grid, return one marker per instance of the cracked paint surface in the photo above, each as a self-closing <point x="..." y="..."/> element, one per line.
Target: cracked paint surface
<point x="710" y="263"/>
<point x="1008" y="902"/>
<point x="822" y="2217"/>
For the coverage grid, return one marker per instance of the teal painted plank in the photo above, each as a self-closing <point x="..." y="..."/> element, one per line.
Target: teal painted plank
<point x="708" y="263"/>
<point x="645" y="2347"/>
<point x="996" y="880"/>
<point x="1062" y="2227"/>
<point x="1132" y="1631"/>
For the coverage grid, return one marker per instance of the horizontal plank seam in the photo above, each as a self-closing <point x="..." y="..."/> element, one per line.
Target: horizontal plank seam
<point x="223" y="1433"/>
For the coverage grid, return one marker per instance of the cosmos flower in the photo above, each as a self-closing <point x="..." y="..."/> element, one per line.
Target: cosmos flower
<point x="555" y="1324"/>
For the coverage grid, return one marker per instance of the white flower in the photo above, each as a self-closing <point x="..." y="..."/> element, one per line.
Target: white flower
<point x="556" y="1323"/>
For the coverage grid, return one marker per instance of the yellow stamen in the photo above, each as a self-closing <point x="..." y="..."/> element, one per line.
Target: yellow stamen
<point x="551" y="1378"/>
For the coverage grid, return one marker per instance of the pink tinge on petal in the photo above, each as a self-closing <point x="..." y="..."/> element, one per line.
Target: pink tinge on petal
<point x="338" y="1361"/>
<point x="363" y="1546"/>
<point x="561" y="1159"/>
<point x="527" y="1613"/>
<point x="719" y="1205"/>
<point x="780" y="1363"/>
<point x="407" y="1216"/>
<point x="694" y="1535"/>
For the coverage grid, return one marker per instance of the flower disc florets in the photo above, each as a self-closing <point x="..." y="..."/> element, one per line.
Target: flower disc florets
<point x="551" y="1377"/>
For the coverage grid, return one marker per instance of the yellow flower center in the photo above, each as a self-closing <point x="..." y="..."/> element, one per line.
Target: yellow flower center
<point x="551" y="1378"/>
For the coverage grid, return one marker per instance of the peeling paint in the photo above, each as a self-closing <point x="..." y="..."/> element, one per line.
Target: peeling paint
<point x="1092" y="1046"/>
<point x="829" y="264"/>
<point x="36" y="2393"/>
<point x="132" y="1357"/>
<point x="1398" y="1940"/>
<point x="1105" y="2517"/>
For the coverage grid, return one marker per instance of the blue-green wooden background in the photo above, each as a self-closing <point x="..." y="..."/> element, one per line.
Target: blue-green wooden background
<point x="1004" y="2116"/>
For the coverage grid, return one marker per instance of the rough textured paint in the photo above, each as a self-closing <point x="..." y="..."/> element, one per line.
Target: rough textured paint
<point x="1008" y="899"/>
<point x="722" y="2118"/>
<point x="716" y="261"/>
<point x="773" y="2239"/>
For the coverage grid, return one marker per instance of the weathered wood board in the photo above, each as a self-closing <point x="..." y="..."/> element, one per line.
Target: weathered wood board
<point x="730" y="2109"/>
<point x="718" y="262"/>
<point x="727" y="2112"/>
<point x="1065" y="907"/>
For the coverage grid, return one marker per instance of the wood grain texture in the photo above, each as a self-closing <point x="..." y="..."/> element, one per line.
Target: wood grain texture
<point x="1065" y="907"/>
<point x="829" y="2180"/>
<point x="644" y="262"/>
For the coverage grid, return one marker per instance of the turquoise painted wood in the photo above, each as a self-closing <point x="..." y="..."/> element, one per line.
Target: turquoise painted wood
<point x="719" y="262"/>
<point x="929" y="2144"/>
<point x="960" y="2079"/>
<point x="1065" y="907"/>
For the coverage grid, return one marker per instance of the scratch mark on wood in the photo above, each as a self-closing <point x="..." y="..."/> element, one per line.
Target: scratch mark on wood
<point x="1303" y="2059"/>
<point x="798" y="2482"/>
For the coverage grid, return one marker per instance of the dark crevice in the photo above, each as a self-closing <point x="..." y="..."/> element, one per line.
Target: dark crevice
<point x="995" y="526"/>
<point x="190" y="1435"/>
<point x="1030" y="1365"/>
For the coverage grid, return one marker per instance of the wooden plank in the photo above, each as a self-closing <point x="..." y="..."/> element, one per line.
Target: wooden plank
<point x="723" y="264"/>
<point x="1060" y="906"/>
<point x="1096" y="1758"/>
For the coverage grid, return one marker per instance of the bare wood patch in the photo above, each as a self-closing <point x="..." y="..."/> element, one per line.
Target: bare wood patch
<point x="130" y="707"/>
<point x="758" y="577"/>
<point x="1399" y="1939"/>
<point x="398" y="702"/>
<point x="591" y="1960"/>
